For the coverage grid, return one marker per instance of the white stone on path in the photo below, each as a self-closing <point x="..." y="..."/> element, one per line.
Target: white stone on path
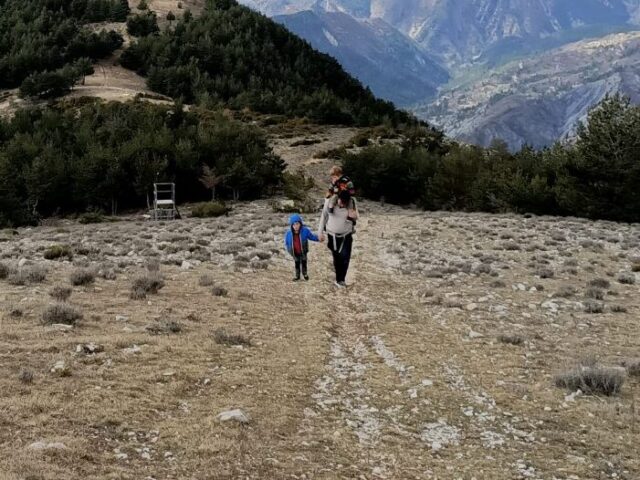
<point x="47" y="446"/>
<point x="236" y="415"/>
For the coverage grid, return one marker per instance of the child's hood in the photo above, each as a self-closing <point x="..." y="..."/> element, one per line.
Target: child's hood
<point x="295" y="218"/>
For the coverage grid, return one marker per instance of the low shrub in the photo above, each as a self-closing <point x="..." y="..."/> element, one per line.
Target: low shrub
<point x="27" y="274"/>
<point x="511" y="339"/>
<point x="306" y="142"/>
<point x="58" y="251"/>
<point x="150" y="283"/>
<point x="595" y="293"/>
<point x="82" y="276"/>
<point x="221" y="337"/>
<point x="219" y="291"/>
<point x="592" y="306"/>
<point x="332" y="154"/>
<point x="91" y="217"/>
<point x="566" y="291"/>
<point x="545" y="273"/>
<point x="596" y="380"/>
<point x="4" y="270"/>
<point x="164" y="327"/>
<point x="627" y="278"/>
<point x="209" y="210"/>
<point x="632" y="367"/>
<point x="26" y="376"/>
<point x="600" y="283"/>
<point x="61" y="313"/>
<point x="60" y="294"/>
<point x="297" y="186"/>
<point x="206" y="281"/>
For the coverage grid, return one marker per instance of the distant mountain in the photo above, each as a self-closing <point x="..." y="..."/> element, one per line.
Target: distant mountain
<point x="391" y="64"/>
<point x="540" y="99"/>
<point x="543" y="63"/>
<point x="468" y="31"/>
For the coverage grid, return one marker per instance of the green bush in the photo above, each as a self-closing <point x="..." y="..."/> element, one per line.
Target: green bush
<point x="91" y="217"/>
<point x="58" y="251"/>
<point x="5" y="270"/>
<point x="61" y="313"/>
<point x="209" y="209"/>
<point x="361" y="139"/>
<point x="82" y="276"/>
<point x="142" y="25"/>
<point x="297" y="186"/>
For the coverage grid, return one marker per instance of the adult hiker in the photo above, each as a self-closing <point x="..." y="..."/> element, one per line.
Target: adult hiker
<point x="337" y="227"/>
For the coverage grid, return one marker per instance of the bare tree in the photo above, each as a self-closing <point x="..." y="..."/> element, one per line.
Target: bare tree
<point x="210" y="179"/>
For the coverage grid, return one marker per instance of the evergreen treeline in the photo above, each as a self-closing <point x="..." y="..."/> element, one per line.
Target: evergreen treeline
<point x="38" y="36"/>
<point x="596" y="177"/>
<point x="234" y="56"/>
<point x="89" y="154"/>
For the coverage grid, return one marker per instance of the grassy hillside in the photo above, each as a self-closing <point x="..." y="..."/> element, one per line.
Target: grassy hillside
<point x="45" y="46"/>
<point x="233" y="56"/>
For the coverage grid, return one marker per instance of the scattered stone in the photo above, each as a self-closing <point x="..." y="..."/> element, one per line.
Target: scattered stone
<point x="47" y="446"/>
<point x="61" y="369"/>
<point x="89" y="348"/>
<point x="439" y="435"/>
<point x="133" y="350"/>
<point x="60" y="327"/>
<point x="236" y="415"/>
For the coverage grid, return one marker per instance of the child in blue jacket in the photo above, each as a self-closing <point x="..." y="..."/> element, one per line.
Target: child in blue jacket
<point x="296" y="241"/>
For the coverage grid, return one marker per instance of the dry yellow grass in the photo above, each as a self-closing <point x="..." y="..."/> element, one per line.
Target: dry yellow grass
<point x="381" y="381"/>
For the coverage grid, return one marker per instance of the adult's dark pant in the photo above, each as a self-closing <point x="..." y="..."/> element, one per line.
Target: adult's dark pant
<point x="301" y="264"/>
<point x="341" y="249"/>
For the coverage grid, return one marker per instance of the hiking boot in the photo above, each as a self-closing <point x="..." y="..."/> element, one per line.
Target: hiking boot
<point x="296" y="279"/>
<point x="306" y="277"/>
<point x="340" y="284"/>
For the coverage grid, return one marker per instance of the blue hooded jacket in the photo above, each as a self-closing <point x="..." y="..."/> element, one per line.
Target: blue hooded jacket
<point x="305" y="235"/>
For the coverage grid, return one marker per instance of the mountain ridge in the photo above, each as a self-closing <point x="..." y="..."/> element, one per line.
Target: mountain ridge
<point x="377" y="54"/>
<point x="541" y="99"/>
<point x="482" y="38"/>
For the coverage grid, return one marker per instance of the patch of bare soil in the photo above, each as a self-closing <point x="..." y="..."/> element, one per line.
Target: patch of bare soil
<point x="437" y="362"/>
<point x="111" y="82"/>
<point x="163" y="7"/>
<point x="306" y="150"/>
<point x="9" y="102"/>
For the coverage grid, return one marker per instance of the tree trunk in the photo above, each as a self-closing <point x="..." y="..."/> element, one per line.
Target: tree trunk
<point x="213" y="193"/>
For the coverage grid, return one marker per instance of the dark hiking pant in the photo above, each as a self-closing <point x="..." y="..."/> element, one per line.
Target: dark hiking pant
<point x="341" y="249"/>
<point x="301" y="264"/>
